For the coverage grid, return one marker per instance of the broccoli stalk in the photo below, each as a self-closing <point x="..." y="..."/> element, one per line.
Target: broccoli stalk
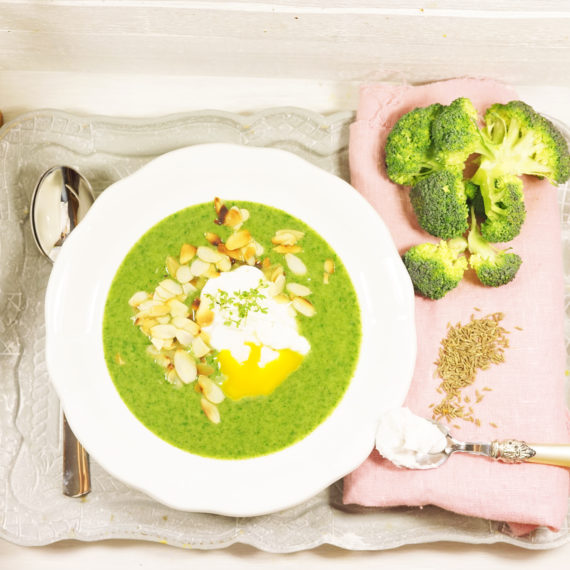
<point x="493" y="266"/>
<point x="436" y="269"/>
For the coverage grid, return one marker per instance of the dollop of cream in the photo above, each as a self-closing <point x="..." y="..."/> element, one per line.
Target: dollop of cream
<point x="408" y="440"/>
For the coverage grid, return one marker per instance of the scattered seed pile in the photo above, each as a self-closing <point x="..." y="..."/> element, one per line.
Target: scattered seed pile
<point x="463" y="352"/>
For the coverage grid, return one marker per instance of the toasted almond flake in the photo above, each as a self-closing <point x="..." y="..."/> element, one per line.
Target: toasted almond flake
<point x="161" y="294"/>
<point x="266" y="263"/>
<point x="204" y="316"/>
<point x="171" y="286"/>
<point x="284" y="238"/>
<point x="205" y="369"/>
<point x="172" y="265"/>
<point x="224" y="264"/>
<point x="205" y="337"/>
<point x="326" y="277"/>
<point x="187" y="253"/>
<point x="199" y="347"/>
<point x="199" y="267"/>
<point x="288" y="249"/>
<point x="212" y="392"/>
<point x="233" y="217"/>
<point x="163" y="320"/>
<point x="119" y="359"/>
<point x="276" y="273"/>
<point x="212" y="272"/>
<point x="188" y="288"/>
<point x="295" y="264"/>
<point x="218" y="204"/>
<point x="172" y="377"/>
<point x="163" y="332"/>
<point x="249" y="255"/>
<point x="259" y="249"/>
<point x="158" y="343"/>
<point x="184" y="337"/>
<point x="298" y="290"/>
<point x="162" y="360"/>
<point x="183" y="274"/>
<point x="187" y="325"/>
<point x="244" y="214"/>
<point x="145" y="306"/>
<point x="281" y="299"/>
<point x="276" y="287"/>
<point x="208" y="254"/>
<point x="177" y="308"/>
<point x="211" y="411"/>
<point x="232" y="254"/>
<point x="159" y="310"/>
<point x="329" y="266"/>
<point x="214" y="239"/>
<point x="303" y="306"/>
<point x="185" y="366"/>
<point x="238" y="240"/>
<point x="146" y="325"/>
<point x="297" y="233"/>
<point x="138" y="298"/>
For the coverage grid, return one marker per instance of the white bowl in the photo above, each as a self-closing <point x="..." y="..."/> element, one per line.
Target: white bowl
<point x="77" y="292"/>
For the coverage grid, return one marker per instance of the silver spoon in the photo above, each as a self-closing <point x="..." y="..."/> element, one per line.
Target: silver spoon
<point x="60" y="200"/>
<point x="507" y="451"/>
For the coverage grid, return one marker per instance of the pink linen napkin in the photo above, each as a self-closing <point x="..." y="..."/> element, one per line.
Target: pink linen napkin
<point x="527" y="397"/>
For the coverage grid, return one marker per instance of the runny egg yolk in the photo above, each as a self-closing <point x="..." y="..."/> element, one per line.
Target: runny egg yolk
<point x="248" y="378"/>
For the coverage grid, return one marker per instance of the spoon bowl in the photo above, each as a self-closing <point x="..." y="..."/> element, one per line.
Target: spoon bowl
<point x="60" y="200"/>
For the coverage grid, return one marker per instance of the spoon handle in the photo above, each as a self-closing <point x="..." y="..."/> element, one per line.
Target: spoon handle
<point x="515" y="451"/>
<point x="76" y="472"/>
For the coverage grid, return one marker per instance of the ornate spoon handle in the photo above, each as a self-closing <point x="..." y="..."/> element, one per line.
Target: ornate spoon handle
<point x="514" y="451"/>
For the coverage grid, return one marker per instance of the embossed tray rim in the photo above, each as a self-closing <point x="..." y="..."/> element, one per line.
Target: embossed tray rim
<point x="93" y="144"/>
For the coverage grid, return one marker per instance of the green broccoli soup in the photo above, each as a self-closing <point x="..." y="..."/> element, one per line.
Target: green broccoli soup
<point x="231" y="331"/>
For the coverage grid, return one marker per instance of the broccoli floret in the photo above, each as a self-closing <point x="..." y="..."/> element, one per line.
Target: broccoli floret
<point x="493" y="266"/>
<point x="436" y="269"/>
<point x="518" y="140"/>
<point x="440" y="204"/>
<point x="474" y="198"/>
<point x="503" y="202"/>
<point x="455" y="133"/>
<point x="409" y="154"/>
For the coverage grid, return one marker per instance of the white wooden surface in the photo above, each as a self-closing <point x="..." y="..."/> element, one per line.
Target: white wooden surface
<point x="525" y="42"/>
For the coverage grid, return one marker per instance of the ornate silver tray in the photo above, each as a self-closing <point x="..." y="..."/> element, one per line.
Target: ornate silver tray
<point x="33" y="511"/>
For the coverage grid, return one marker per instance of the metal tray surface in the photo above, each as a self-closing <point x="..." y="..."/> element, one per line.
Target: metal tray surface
<point x="33" y="510"/>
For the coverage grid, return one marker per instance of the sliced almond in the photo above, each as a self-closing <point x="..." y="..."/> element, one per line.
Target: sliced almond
<point x="199" y="267"/>
<point x="204" y="316"/>
<point x="277" y="272"/>
<point x="266" y="263"/>
<point x="163" y="332"/>
<point x="329" y="266"/>
<point x="249" y="255"/>
<point x="183" y="274"/>
<point x="297" y="233"/>
<point x="218" y="204"/>
<point x="244" y="214"/>
<point x="205" y="369"/>
<point x="238" y="240"/>
<point x="185" y="366"/>
<point x="172" y="265"/>
<point x="146" y="325"/>
<point x="295" y="264"/>
<point x="233" y="217"/>
<point x="301" y="305"/>
<point x="184" y="337"/>
<point x="177" y="308"/>
<point x="224" y="264"/>
<point x="158" y="343"/>
<point x="171" y="286"/>
<point x="284" y="238"/>
<point x="208" y="254"/>
<point x="163" y="320"/>
<point x="298" y="290"/>
<point x="187" y="253"/>
<point x="119" y="359"/>
<point x="326" y="276"/>
<point x="159" y="310"/>
<point x="145" y="306"/>
<point x="162" y="294"/>
<point x="188" y="288"/>
<point x="212" y="272"/>
<point x="199" y="347"/>
<point x="138" y="298"/>
<point x="232" y="254"/>
<point x="212" y="392"/>
<point x="288" y="249"/>
<point x="276" y="287"/>
<point x="281" y="299"/>
<point x="187" y="325"/>
<point x="172" y="377"/>
<point x="214" y="239"/>
<point x="162" y="360"/>
<point x="211" y="411"/>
